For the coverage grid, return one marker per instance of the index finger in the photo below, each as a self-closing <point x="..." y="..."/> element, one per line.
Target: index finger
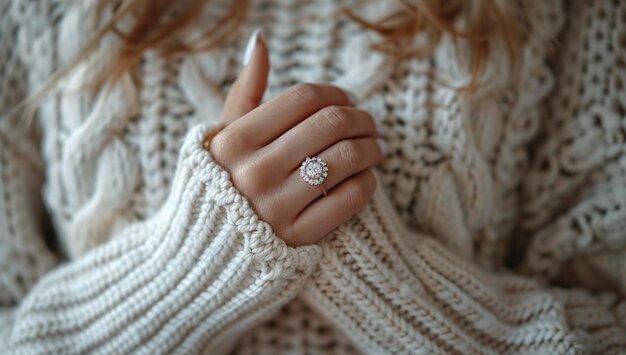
<point x="270" y="120"/>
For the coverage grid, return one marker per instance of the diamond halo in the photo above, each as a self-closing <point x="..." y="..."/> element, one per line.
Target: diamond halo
<point x="314" y="170"/>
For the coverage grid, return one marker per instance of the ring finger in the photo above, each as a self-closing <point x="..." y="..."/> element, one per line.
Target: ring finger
<point x="344" y="159"/>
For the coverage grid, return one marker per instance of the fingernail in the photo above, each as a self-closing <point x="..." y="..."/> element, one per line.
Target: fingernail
<point x="382" y="145"/>
<point x="351" y="97"/>
<point x="252" y="42"/>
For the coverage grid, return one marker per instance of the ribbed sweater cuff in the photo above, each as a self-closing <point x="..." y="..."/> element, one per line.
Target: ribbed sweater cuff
<point x="192" y="277"/>
<point x="395" y="291"/>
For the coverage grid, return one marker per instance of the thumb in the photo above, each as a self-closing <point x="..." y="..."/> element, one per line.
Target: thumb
<point x="247" y="91"/>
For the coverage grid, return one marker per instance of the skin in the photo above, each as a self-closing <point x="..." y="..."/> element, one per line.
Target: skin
<point x="262" y="146"/>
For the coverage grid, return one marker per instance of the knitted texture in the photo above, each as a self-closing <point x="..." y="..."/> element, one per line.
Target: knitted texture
<point x="198" y="271"/>
<point x="420" y="298"/>
<point x="586" y="158"/>
<point x="24" y="256"/>
<point x="159" y="252"/>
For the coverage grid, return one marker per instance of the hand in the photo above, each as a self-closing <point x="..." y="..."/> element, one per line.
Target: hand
<point x="262" y="147"/>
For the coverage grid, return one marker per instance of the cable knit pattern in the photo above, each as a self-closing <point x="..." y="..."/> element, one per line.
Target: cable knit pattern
<point x="24" y="256"/>
<point x="586" y="157"/>
<point x="486" y="202"/>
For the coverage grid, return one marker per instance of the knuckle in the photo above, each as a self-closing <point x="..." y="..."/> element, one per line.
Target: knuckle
<point x="334" y="118"/>
<point x="304" y="92"/>
<point x="357" y="197"/>
<point x="249" y="176"/>
<point x="361" y="192"/>
<point x="370" y="120"/>
<point x="286" y="233"/>
<point x="370" y="181"/>
<point x="226" y="145"/>
<point x="348" y="154"/>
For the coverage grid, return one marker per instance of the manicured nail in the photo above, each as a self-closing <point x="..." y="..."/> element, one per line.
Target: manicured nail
<point x="252" y="42"/>
<point x="382" y="145"/>
<point x="351" y="97"/>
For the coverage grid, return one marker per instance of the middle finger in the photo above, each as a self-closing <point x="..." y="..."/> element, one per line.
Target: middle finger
<point x="320" y="131"/>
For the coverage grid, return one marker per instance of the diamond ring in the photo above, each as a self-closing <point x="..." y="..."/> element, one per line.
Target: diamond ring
<point x="314" y="171"/>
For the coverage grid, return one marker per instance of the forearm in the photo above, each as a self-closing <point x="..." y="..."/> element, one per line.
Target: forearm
<point x="396" y="291"/>
<point x="196" y="274"/>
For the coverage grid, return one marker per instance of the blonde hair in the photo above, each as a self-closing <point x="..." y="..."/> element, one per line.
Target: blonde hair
<point x="154" y="27"/>
<point x="481" y="22"/>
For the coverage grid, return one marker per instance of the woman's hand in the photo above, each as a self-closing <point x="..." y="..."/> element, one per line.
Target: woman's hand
<point x="262" y="147"/>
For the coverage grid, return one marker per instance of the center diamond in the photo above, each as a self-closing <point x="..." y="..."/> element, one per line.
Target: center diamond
<point x="314" y="170"/>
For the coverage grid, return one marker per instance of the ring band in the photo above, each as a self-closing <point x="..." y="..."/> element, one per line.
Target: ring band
<point x="314" y="171"/>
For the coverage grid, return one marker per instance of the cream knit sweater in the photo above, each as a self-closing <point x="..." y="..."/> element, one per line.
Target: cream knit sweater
<point x="498" y="225"/>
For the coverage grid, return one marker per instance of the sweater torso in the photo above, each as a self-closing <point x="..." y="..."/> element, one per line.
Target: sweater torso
<point x="524" y="165"/>
<point x="454" y="167"/>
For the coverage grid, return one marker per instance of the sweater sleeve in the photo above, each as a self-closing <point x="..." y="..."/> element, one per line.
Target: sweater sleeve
<point x="394" y="291"/>
<point x="194" y="276"/>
